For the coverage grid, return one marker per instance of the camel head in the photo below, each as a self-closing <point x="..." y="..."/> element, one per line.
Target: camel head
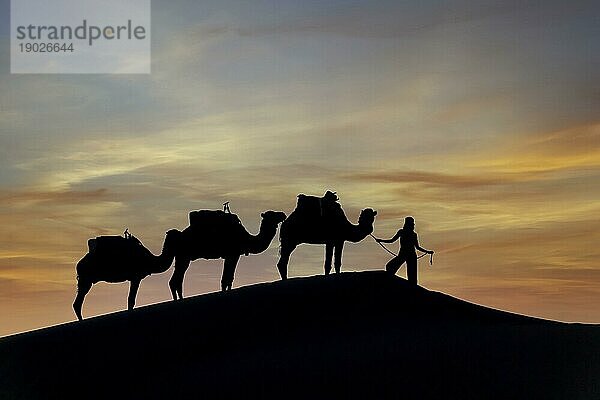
<point x="173" y="233"/>
<point x="367" y="217"/>
<point x="273" y="217"/>
<point x="330" y="196"/>
<point x="172" y="239"/>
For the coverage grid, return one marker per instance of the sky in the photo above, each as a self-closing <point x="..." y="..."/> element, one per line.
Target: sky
<point x="478" y="118"/>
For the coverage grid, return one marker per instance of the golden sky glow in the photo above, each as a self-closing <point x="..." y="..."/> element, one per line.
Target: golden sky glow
<point x="480" y="119"/>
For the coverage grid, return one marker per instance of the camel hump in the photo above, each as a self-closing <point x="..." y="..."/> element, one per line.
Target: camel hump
<point x="113" y="244"/>
<point x="213" y="218"/>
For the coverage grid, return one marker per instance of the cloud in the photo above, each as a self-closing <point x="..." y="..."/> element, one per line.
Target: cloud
<point x="60" y="197"/>
<point x="388" y="19"/>
<point x="570" y="149"/>
<point x="437" y="178"/>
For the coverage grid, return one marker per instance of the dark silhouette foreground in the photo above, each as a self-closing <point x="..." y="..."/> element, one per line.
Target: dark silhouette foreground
<point x="409" y="243"/>
<point x="119" y="259"/>
<point x="321" y="220"/>
<point x="361" y="335"/>
<point x="214" y="234"/>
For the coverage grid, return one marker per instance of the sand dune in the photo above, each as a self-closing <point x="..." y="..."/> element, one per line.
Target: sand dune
<point x="355" y="335"/>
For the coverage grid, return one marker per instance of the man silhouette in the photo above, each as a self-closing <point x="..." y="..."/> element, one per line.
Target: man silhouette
<point x="408" y="243"/>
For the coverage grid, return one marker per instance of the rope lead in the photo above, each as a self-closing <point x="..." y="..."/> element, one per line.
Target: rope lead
<point x="396" y="255"/>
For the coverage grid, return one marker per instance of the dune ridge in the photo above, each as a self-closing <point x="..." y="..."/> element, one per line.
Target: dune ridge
<point x="350" y="335"/>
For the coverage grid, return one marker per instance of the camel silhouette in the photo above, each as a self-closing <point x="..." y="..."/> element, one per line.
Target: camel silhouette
<point x="321" y="220"/>
<point x="119" y="259"/>
<point x="219" y="234"/>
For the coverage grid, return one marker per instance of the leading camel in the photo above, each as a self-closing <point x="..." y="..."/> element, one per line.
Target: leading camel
<point x="120" y="259"/>
<point x="321" y="220"/>
<point x="218" y="234"/>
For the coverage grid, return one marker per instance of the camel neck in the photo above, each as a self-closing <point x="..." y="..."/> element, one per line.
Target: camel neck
<point x="260" y="242"/>
<point x="358" y="232"/>
<point x="163" y="261"/>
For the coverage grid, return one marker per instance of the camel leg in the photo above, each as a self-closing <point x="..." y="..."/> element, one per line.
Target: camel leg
<point x="176" y="281"/>
<point x="229" y="271"/>
<point x="328" y="257"/>
<point x="338" y="247"/>
<point x="284" y="259"/>
<point x="83" y="288"/>
<point x="133" y="289"/>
